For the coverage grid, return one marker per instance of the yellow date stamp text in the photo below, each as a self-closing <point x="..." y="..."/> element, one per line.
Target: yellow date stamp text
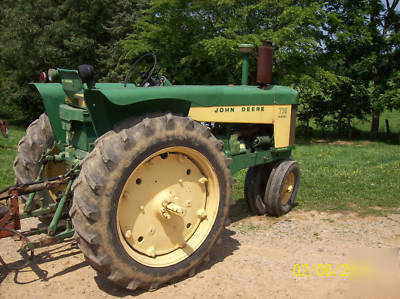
<point x="331" y="270"/>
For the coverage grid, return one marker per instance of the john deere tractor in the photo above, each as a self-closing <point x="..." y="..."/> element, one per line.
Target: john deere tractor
<point x="143" y="168"/>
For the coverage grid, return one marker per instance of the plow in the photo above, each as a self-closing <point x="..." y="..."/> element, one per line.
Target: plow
<point x="140" y="172"/>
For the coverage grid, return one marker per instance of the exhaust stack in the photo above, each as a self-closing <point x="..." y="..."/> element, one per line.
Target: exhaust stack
<point x="264" y="65"/>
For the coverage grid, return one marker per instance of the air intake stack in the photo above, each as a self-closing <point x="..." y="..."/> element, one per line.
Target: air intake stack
<point x="245" y="50"/>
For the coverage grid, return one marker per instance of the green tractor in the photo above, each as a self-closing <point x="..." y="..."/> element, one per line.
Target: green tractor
<point x="143" y="170"/>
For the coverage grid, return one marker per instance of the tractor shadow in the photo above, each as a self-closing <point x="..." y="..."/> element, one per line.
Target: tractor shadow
<point x="218" y="254"/>
<point x="240" y="211"/>
<point x="62" y="250"/>
<point x="58" y="251"/>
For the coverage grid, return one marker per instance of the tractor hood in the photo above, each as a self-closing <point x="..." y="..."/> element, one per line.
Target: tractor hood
<point x="204" y="96"/>
<point x="109" y="103"/>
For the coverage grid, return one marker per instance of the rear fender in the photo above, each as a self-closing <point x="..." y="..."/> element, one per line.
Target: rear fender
<point x="52" y="95"/>
<point x="105" y="114"/>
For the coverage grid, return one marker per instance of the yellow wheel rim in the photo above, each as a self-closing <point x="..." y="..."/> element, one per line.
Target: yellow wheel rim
<point x="168" y="206"/>
<point x="53" y="169"/>
<point x="288" y="188"/>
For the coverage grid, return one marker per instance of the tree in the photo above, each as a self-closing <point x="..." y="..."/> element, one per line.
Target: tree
<point x="362" y="37"/>
<point x="37" y="35"/>
<point x="118" y="27"/>
<point x="197" y="41"/>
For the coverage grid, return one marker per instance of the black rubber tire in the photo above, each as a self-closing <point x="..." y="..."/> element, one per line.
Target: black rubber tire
<point x="97" y="190"/>
<point x="38" y="138"/>
<point x="254" y="187"/>
<point x="274" y="190"/>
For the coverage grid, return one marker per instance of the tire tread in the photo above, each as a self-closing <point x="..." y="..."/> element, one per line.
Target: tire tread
<point x="89" y="211"/>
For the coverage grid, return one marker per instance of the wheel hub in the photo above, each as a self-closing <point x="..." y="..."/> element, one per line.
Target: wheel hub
<point x="165" y="206"/>
<point x="170" y="207"/>
<point x="287" y="188"/>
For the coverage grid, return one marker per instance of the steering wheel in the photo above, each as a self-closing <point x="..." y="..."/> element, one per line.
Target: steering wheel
<point x="144" y="75"/>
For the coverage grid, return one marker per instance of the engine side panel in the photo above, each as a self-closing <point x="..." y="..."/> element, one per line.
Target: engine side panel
<point x="282" y="117"/>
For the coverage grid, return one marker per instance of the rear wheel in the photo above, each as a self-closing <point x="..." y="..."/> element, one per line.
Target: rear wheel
<point x="38" y="139"/>
<point x="151" y="201"/>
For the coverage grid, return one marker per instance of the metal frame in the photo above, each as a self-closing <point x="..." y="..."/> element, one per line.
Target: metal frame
<point x="56" y="231"/>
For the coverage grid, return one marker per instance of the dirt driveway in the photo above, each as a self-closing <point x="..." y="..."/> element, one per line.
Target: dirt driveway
<point x="256" y="259"/>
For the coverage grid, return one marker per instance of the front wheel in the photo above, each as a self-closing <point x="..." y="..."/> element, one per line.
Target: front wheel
<point x="282" y="187"/>
<point x="151" y="201"/>
<point x="254" y="187"/>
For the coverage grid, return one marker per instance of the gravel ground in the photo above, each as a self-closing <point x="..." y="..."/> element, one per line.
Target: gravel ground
<point x="256" y="259"/>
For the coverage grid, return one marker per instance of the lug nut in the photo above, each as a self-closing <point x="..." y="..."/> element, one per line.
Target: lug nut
<point x="202" y="214"/>
<point x="151" y="251"/>
<point x="203" y="180"/>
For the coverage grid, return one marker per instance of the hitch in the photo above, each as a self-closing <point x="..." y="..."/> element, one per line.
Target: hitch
<point x="10" y="217"/>
<point x="10" y="211"/>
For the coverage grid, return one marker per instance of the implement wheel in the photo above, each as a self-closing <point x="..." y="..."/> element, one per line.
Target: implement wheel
<point x="282" y="187"/>
<point x="151" y="201"/>
<point x="38" y="139"/>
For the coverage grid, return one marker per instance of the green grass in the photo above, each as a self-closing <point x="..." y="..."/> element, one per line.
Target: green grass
<point x="8" y="151"/>
<point x="362" y="177"/>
